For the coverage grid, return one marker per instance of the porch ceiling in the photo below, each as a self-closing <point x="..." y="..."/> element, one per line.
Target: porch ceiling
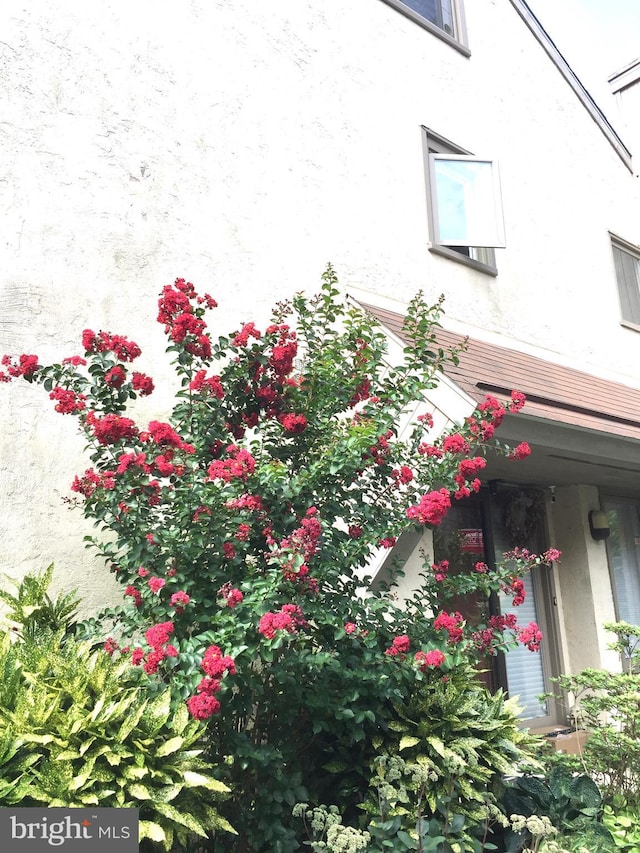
<point x="581" y="428"/>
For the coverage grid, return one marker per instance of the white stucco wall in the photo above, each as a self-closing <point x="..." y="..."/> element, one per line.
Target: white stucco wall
<point x="243" y="146"/>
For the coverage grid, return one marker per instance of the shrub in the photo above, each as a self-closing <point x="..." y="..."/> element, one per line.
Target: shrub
<point x="241" y="526"/>
<point x="606" y="704"/>
<point x="77" y="729"/>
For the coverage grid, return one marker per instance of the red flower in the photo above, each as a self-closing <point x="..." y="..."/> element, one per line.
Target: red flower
<point x="455" y="443"/>
<point x="111" y="428"/>
<point x="294" y="424"/>
<point x="135" y="594"/>
<point x="156" y="584"/>
<point x="350" y="628"/>
<point x="164" y="434"/>
<point x="432" y="507"/>
<point x="207" y="386"/>
<point x="288" y="619"/>
<point x="517" y="589"/>
<point x="355" y="531"/>
<point x="142" y="383"/>
<point x="282" y="357"/>
<point x="399" y="646"/>
<point x="202" y="706"/>
<point x="26" y="366"/>
<point x="238" y="466"/>
<point x="179" y="599"/>
<point x="468" y="468"/>
<point x="518" y="399"/>
<point x="440" y="570"/>
<point x="215" y="664"/>
<point x="68" y="401"/>
<point x="521" y="451"/>
<point x="434" y="658"/>
<point x="241" y="338"/>
<point x="115" y="377"/>
<point x="230" y="595"/>
<point x="451" y="623"/>
<point x="531" y="637"/>
<point x="110" y="646"/>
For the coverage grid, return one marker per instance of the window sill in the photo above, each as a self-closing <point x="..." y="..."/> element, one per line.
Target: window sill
<point x="627" y="324"/>
<point x="445" y="252"/>
<point x="428" y="25"/>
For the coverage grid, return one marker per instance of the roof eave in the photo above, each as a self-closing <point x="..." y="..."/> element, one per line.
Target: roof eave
<point x="572" y="79"/>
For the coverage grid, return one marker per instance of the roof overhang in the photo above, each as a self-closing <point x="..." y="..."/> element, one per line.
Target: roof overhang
<point x="582" y="428"/>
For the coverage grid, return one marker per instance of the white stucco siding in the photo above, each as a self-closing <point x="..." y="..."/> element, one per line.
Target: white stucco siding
<point x="243" y="146"/>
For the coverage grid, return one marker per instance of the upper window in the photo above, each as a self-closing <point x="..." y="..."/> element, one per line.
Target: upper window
<point x="445" y="18"/>
<point x="464" y="204"/>
<point x="627" y="262"/>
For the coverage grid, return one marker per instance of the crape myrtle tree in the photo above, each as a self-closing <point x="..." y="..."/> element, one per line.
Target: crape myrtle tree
<point x="240" y="527"/>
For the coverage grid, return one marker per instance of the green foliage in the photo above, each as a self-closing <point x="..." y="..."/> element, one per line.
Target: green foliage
<point x="32" y="610"/>
<point x="624" y="825"/>
<point x="440" y="763"/>
<point x="573" y="804"/>
<point x="77" y="729"/>
<point x="606" y="704"/>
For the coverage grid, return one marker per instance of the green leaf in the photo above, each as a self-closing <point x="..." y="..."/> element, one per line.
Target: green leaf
<point x="169" y="746"/>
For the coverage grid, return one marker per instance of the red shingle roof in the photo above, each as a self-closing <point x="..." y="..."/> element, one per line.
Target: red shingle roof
<point x="553" y="392"/>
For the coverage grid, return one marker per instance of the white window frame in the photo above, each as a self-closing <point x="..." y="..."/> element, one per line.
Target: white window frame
<point x="628" y="280"/>
<point x="479" y="257"/>
<point x="457" y="39"/>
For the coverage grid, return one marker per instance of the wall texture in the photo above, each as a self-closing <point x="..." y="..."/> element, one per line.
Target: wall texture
<point x="244" y="145"/>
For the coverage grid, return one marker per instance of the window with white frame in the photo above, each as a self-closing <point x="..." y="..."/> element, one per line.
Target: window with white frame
<point x="444" y="18"/>
<point x="626" y="258"/>
<point x="464" y="204"/>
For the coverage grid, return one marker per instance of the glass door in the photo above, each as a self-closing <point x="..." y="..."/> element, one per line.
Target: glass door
<point x="484" y="527"/>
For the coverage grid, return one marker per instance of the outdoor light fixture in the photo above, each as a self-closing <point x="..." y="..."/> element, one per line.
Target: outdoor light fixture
<point x="599" y="525"/>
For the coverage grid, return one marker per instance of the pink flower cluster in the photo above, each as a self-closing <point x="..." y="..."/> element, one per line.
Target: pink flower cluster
<point x="440" y="570"/>
<point x="432" y="507"/>
<point x="515" y="588"/>
<point x="241" y="338"/>
<point x="123" y="349"/>
<point x="67" y="401"/>
<point x="182" y="322"/>
<point x="430" y="660"/>
<point x="237" y="466"/>
<point x="25" y="366"/>
<point x="111" y="429"/>
<point x="93" y="480"/>
<point x="293" y="424"/>
<point x="289" y="618"/>
<point x="531" y="636"/>
<point x="209" y="386"/>
<point x="164" y="435"/>
<point x="157" y="636"/>
<point x="214" y="664"/>
<point x="451" y="623"/>
<point x="230" y="595"/>
<point x="399" y="646"/>
<point x="521" y="451"/>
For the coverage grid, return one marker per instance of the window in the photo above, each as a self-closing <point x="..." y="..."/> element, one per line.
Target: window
<point x="464" y="204"/>
<point x="626" y="258"/>
<point x="444" y="18"/>
<point x="624" y="556"/>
